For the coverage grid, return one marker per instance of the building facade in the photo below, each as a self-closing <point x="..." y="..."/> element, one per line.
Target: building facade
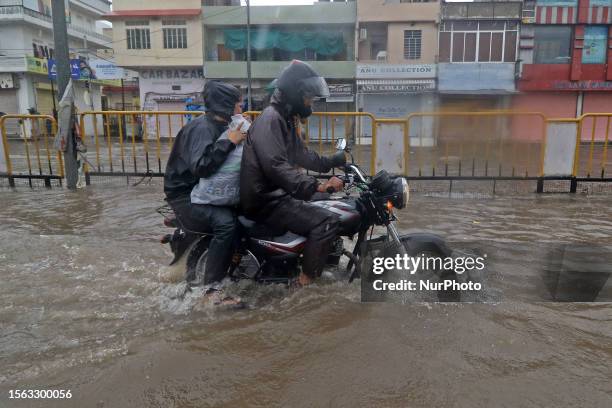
<point x="322" y="34"/>
<point x="566" y="54"/>
<point x="478" y="52"/>
<point x="26" y="46"/>
<point x="162" y="41"/>
<point x="397" y="59"/>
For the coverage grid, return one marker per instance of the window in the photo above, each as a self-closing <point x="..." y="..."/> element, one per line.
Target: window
<point x="138" y="38"/>
<point x="595" y="41"/>
<point x="552" y="44"/>
<point x="175" y="33"/>
<point x="478" y="41"/>
<point x="412" y="44"/>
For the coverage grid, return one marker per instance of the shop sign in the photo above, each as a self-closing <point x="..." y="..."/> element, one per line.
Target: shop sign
<point x="340" y="93"/>
<point x="583" y="85"/>
<point x="340" y="90"/>
<point x="414" y="87"/>
<point x="6" y="81"/>
<point x="106" y="70"/>
<point x="196" y="73"/>
<point x="37" y="65"/>
<point x="543" y="85"/>
<point x="75" y="71"/>
<point x="382" y="71"/>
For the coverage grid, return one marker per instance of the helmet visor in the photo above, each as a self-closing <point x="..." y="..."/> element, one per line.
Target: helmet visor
<point x="314" y="87"/>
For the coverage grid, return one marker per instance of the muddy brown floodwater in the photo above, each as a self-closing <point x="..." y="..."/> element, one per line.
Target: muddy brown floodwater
<point x="82" y="308"/>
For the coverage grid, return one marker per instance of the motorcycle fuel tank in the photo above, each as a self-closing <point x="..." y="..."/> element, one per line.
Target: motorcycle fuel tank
<point x="347" y="212"/>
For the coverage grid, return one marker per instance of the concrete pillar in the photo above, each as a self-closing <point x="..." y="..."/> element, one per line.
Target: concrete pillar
<point x="2" y="158"/>
<point x="26" y="96"/>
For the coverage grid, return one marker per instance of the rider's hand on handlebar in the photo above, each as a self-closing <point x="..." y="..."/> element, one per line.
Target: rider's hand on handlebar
<point x="237" y="136"/>
<point x="334" y="183"/>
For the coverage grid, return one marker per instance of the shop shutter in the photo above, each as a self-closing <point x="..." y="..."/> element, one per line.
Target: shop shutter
<point x="9" y="104"/>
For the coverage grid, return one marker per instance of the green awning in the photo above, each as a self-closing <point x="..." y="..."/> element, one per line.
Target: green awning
<point x="324" y="43"/>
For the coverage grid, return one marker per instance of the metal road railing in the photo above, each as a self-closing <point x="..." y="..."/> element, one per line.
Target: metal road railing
<point x="476" y="144"/>
<point x="131" y="142"/>
<point x="424" y="145"/>
<point x="594" y="129"/>
<point x="29" y="153"/>
<point x="139" y="142"/>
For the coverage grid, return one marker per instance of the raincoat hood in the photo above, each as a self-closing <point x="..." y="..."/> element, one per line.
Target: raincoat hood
<point x="221" y="98"/>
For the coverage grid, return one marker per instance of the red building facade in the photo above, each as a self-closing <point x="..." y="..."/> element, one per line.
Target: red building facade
<point x="566" y="59"/>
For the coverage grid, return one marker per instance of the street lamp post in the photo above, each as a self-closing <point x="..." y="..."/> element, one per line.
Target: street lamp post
<point x="62" y="61"/>
<point x="248" y="10"/>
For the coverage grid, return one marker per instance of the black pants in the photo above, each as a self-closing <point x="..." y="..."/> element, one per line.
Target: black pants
<point x="318" y="225"/>
<point x="221" y="222"/>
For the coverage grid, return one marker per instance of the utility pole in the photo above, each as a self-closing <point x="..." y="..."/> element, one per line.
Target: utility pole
<point x="248" y="10"/>
<point x="62" y="61"/>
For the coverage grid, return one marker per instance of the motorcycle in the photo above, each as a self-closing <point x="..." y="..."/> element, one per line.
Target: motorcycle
<point x="268" y="255"/>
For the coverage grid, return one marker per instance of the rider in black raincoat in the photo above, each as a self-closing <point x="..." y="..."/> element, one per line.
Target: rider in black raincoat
<point x="272" y="188"/>
<point x="197" y="153"/>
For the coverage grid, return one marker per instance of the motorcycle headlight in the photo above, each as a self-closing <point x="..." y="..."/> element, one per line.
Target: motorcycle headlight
<point x="401" y="193"/>
<point x="405" y="191"/>
<point x="393" y="191"/>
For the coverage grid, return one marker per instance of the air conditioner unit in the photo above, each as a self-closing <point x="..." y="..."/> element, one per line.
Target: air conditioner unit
<point x="363" y="34"/>
<point x="381" y="56"/>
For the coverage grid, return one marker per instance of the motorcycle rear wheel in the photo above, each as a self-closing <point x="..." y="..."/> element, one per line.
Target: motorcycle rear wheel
<point x="196" y="262"/>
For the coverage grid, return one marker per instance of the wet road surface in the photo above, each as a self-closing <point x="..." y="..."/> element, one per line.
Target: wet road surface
<point x="82" y="307"/>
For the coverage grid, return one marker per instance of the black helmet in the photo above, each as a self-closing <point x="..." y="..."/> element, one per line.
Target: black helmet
<point x="299" y="80"/>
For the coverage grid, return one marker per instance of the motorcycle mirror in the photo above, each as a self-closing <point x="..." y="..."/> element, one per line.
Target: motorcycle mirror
<point x="341" y="144"/>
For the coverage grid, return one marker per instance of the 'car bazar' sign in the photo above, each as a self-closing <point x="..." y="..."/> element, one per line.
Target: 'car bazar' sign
<point x="172" y="74"/>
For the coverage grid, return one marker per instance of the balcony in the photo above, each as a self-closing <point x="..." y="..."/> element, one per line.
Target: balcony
<point x="94" y="6"/>
<point x="21" y="13"/>
<point x="13" y="64"/>
<point x="271" y="69"/>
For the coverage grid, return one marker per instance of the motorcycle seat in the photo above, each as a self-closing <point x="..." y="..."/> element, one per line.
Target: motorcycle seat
<point x="257" y="230"/>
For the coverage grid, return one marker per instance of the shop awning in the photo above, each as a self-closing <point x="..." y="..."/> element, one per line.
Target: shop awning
<point x="395" y="86"/>
<point x="322" y="42"/>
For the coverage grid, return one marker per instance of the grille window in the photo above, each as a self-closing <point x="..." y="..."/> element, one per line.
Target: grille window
<point x="138" y="38"/>
<point x="175" y="33"/>
<point x="412" y="44"/>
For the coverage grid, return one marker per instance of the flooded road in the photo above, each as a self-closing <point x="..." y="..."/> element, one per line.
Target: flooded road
<point x="82" y="307"/>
